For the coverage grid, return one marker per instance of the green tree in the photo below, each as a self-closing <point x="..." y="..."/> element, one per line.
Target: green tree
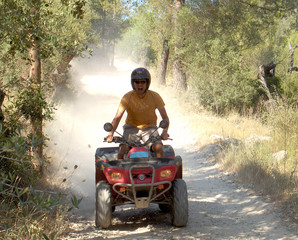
<point x="245" y="28"/>
<point x="36" y="36"/>
<point x="179" y="71"/>
<point x="110" y="22"/>
<point x="150" y="36"/>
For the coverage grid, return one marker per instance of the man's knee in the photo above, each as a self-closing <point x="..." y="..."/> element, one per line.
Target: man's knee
<point x="123" y="149"/>
<point x="158" y="149"/>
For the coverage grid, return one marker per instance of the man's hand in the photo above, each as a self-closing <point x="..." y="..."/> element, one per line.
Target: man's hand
<point x="109" y="138"/>
<point x="164" y="135"/>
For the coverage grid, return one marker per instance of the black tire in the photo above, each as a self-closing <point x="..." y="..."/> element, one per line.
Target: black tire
<point x="103" y="205"/>
<point x="180" y="203"/>
<point x="164" y="208"/>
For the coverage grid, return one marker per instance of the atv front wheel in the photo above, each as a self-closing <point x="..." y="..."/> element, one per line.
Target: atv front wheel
<point x="180" y="203"/>
<point x="103" y="205"/>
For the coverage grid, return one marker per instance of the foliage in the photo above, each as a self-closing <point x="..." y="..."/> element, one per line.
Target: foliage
<point x="60" y="31"/>
<point x="219" y="83"/>
<point x="27" y="213"/>
<point x="31" y="101"/>
<point x="111" y="18"/>
<point x="255" y="162"/>
<point x="284" y="121"/>
<point x="55" y="27"/>
<point x="255" y="166"/>
<point x="290" y="88"/>
<point x="15" y="154"/>
<point x="224" y="43"/>
<point x="150" y="24"/>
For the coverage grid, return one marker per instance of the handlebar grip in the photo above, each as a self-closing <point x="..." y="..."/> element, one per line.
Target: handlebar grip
<point x="115" y="139"/>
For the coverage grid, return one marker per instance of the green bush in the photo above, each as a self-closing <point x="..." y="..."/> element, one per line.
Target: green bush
<point x="256" y="165"/>
<point x="289" y="86"/>
<point x="25" y="212"/>
<point x="219" y="83"/>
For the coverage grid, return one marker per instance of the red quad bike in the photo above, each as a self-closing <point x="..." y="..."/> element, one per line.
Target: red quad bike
<point x="140" y="179"/>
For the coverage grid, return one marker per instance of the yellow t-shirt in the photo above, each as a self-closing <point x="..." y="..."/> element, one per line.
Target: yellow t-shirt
<point x="141" y="111"/>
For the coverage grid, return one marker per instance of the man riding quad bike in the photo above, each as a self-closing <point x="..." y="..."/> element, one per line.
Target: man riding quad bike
<point x="140" y="179"/>
<point x="146" y="170"/>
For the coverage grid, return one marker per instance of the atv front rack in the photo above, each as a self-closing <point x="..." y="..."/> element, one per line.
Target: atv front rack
<point x="141" y="202"/>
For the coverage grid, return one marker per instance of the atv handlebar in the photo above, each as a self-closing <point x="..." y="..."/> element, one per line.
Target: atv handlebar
<point x="115" y="139"/>
<point x="151" y="139"/>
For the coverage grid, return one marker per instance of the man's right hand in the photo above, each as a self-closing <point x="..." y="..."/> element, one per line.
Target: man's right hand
<point x="109" y="138"/>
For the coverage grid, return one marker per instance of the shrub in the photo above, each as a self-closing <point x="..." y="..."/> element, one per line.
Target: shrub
<point x="27" y="213"/>
<point x="255" y="164"/>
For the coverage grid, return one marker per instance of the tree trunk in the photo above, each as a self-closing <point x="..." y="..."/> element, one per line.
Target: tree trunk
<point x="267" y="70"/>
<point x="2" y="96"/>
<point x="35" y="64"/>
<point x="291" y="58"/>
<point x="264" y="72"/>
<point x="179" y="76"/>
<point x="64" y="63"/>
<point x="112" y="54"/>
<point x="37" y="119"/>
<point x="35" y="78"/>
<point x="103" y="31"/>
<point x="162" y="70"/>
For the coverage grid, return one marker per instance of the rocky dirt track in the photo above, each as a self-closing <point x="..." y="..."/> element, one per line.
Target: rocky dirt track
<point x="219" y="208"/>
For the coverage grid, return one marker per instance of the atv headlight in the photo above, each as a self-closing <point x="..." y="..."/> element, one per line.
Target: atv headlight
<point x="166" y="173"/>
<point x="116" y="176"/>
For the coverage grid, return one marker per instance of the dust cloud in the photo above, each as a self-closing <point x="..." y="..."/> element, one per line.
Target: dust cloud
<point x="77" y="129"/>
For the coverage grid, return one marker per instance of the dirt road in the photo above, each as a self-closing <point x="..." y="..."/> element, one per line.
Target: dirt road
<point x="219" y="208"/>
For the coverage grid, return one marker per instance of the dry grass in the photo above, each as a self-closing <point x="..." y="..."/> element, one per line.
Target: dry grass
<point x="34" y="218"/>
<point x="28" y="213"/>
<point x="205" y="124"/>
<point x="253" y="164"/>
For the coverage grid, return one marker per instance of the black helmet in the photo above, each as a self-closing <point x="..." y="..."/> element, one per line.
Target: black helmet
<point x="141" y="73"/>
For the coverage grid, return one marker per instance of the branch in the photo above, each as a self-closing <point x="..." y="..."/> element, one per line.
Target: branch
<point x="291" y="57"/>
<point x="264" y="86"/>
<point x="266" y="71"/>
<point x="14" y="159"/>
<point x="2" y="96"/>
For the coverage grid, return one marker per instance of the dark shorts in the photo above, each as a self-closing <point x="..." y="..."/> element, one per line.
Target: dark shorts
<point x="133" y="134"/>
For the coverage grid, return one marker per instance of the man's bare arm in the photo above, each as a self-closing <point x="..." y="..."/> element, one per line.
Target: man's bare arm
<point x="164" y="115"/>
<point x="115" y="123"/>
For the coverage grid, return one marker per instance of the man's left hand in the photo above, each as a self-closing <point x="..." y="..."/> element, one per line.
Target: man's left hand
<point x="165" y="135"/>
